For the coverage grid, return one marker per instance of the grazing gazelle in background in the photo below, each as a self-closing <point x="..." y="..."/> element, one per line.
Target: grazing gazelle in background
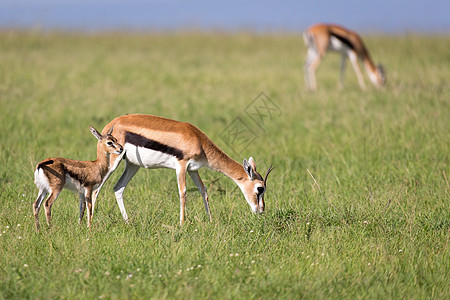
<point x="321" y="38"/>
<point x="53" y="174"/>
<point x="155" y="142"/>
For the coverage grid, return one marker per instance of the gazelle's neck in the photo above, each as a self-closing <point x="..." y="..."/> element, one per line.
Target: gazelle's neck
<point x="221" y="162"/>
<point x="102" y="162"/>
<point x="368" y="64"/>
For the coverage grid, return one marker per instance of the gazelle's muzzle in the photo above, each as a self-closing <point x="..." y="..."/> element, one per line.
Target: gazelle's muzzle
<point x="119" y="151"/>
<point x="258" y="209"/>
<point x="261" y="204"/>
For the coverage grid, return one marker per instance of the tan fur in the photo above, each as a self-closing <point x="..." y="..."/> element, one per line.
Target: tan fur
<point x="87" y="174"/>
<point x="318" y="38"/>
<point x="195" y="145"/>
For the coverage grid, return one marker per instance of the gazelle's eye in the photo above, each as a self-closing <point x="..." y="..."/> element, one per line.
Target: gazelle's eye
<point x="109" y="143"/>
<point x="260" y="190"/>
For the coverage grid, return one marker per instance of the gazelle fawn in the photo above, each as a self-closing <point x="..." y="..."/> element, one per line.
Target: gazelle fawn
<point x="321" y="38"/>
<point x="154" y="142"/>
<point x="52" y="175"/>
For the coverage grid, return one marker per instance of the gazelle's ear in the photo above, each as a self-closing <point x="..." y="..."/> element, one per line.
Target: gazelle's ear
<point x="95" y="133"/>
<point x="110" y="130"/>
<point x="252" y="163"/>
<point x="248" y="168"/>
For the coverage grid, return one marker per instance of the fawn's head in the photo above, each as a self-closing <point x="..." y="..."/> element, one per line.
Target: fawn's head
<point x="107" y="142"/>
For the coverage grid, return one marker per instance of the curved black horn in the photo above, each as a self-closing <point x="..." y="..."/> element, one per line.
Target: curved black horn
<point x="267" y="173"/>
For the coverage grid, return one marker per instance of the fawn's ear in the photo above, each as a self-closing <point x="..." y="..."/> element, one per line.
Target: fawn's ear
<point x="95" y="133"/>
<point x="110" y="130"/>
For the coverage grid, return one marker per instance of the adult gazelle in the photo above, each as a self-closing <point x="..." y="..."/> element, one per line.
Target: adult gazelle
<point x="154" y="142"/>
<point x="321" y="38"/>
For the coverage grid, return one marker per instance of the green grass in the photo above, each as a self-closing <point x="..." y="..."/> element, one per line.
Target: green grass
<point x="377" y="228"/>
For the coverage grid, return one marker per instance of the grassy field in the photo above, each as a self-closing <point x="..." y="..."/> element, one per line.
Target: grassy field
<point x="375" y="224"/>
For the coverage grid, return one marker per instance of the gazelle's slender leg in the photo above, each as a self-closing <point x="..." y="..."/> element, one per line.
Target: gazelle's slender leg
<point x="201" y="187"/>
<point x="88" y="196"/>
<point x="97" y="191"/>
<point x="181" y="179"/>
<point x="306" y="69"/>
<point x="354" y="60"/>
<point x="311" y="63"/>
<point x="37" y="205"/>
<point x="116" y="159"/>
<point x="343" y="65"/>
<point x="82" y="206"/>
<point x="48" y="205"/>
<point x="119" y="188"/>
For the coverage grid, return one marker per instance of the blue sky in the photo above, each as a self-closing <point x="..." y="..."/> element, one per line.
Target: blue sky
<point x="391" y="16"/>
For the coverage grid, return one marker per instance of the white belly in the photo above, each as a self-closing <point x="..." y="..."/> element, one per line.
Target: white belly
<point x="337" y="45"/>
<point x="73" y="185"/>
<point x="148" y="158"/>
<point x="152" y="159"/>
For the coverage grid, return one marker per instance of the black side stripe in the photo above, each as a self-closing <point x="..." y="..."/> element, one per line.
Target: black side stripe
<point x="345" y="41"/>
<point x="141" y="141"/>
<point x="80" y="177"/>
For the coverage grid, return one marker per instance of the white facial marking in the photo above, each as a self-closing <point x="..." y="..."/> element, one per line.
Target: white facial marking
<point x="259" y="186"/>
<point x="255" y="208"/>
<point x="373" y="78"/>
